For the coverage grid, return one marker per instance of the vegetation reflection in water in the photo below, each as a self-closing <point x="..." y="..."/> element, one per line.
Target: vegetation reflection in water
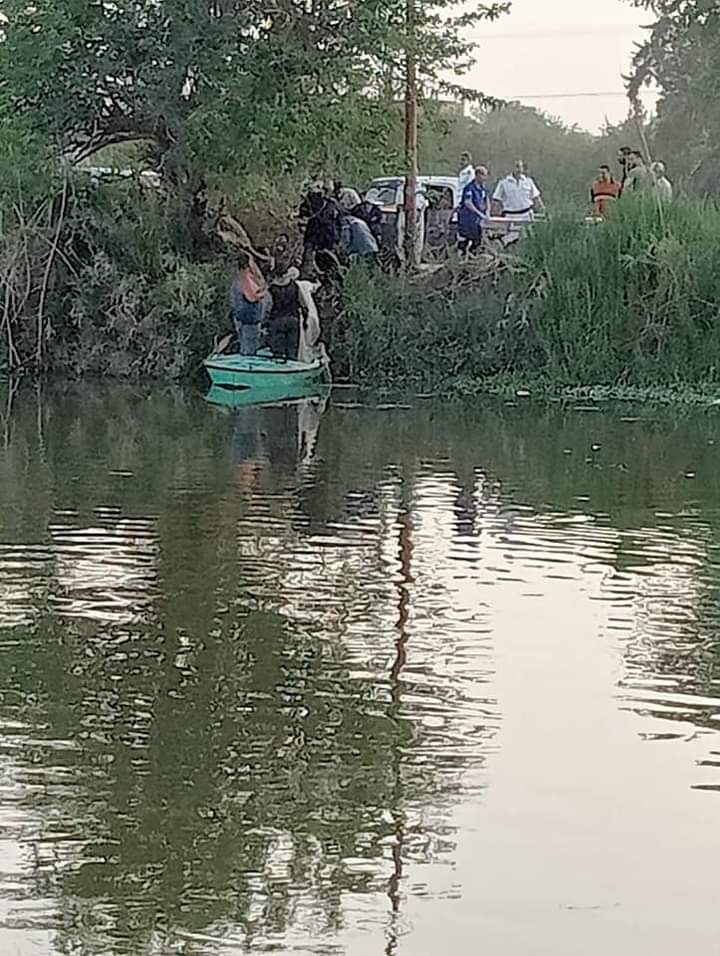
<point x="257" y="664"/>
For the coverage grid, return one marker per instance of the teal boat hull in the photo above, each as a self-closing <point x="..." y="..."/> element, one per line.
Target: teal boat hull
<point x="245" y="397"/>
<point x="265" y="373"/>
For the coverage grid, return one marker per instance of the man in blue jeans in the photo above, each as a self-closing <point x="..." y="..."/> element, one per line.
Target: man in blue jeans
<point x="250" y="303"/>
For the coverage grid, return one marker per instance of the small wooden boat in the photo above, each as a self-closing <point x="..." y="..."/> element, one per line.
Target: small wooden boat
<point x="266" y="373"/>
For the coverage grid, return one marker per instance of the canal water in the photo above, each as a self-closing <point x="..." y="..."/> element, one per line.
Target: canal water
<point x="347" y="678"/>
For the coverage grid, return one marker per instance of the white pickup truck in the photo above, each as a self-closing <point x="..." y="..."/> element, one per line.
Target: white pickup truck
<point x="437" y="200"/>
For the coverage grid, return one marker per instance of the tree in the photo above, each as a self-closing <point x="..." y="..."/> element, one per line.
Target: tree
<point x="681" y="55"/>
<point x="563" y="159"/>
<point x="220" y="84"/>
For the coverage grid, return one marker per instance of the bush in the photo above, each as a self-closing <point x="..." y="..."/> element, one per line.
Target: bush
<point x="129" y="289"/>
<point x="633" y="299"/>
<point x="395" y="332"/>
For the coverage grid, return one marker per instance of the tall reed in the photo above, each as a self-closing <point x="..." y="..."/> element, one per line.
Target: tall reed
<point x="635" y="299"/>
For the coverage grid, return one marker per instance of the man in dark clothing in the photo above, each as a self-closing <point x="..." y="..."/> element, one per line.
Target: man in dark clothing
<point x="321" y="215"/>
<point x="288" y="311"/>
<point x="623" y="158"/>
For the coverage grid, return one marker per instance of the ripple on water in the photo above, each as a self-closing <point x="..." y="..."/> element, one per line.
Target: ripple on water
<point x="23" y="573"/>
<point x="104" y="573"/>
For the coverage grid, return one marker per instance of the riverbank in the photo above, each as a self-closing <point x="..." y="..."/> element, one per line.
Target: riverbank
<point x="137" y="289"/>
<point x="625" y="307"/>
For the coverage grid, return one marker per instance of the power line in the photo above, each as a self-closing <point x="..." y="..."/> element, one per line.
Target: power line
<point x="555" y="35"/>
<point x="574" y="96"/>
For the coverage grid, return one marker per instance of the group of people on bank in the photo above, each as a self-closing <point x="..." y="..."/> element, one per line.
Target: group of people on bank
<point x="270" y="304"/>
<point x="637" y="177"/>
<point x="516" y="197"/>
<point x="335" y="219"/>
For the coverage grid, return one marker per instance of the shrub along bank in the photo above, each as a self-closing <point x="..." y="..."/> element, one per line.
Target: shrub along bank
<point x="115" y="281"/>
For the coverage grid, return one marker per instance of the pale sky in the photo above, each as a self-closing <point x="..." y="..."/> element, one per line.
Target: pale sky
<point x="544" y="50"/>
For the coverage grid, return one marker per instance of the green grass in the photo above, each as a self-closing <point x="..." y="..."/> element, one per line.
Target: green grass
<point x="631" y="304"/>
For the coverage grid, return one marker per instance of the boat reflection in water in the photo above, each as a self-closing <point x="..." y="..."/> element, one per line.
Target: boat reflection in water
<point x="229" y="397"/>
<point x="266" y="430"/>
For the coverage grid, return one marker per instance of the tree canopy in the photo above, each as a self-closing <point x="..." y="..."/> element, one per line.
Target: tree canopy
<point x="221" y="83"/>
<point x="681" y="55"/>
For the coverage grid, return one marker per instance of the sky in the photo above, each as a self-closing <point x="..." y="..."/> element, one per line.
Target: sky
<point x="553" y="53"/>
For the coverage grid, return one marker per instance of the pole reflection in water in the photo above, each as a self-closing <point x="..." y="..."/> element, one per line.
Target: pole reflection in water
<point x="405" y="556"/>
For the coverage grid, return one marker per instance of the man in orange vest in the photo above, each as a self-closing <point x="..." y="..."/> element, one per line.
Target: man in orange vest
<point x="603" y="192"/>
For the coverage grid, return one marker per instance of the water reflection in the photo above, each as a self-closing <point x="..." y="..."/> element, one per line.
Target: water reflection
<point x="105" y="573"/>
<point x="322" y="679"/>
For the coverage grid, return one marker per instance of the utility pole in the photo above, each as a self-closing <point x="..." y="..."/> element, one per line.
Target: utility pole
<point x="411" y="167"/>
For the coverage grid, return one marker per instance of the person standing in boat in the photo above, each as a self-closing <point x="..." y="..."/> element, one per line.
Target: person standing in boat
<point x="250" y="302"/>
<point x="516" y="197"/>
<point x="287" y="313"/>
<point x="473" y="211"/>
<point x="604" y="192"/>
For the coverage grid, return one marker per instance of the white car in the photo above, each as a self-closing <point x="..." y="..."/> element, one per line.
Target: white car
<point x="147" y="177"/>
<point x="437" y="200"/>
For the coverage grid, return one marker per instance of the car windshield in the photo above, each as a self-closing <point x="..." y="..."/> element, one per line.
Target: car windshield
<point x="384" y="193"/>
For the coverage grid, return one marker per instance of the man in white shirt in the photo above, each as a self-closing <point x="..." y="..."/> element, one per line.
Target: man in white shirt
<point x="466" y="174"/>
<point x="516" y="197"/>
